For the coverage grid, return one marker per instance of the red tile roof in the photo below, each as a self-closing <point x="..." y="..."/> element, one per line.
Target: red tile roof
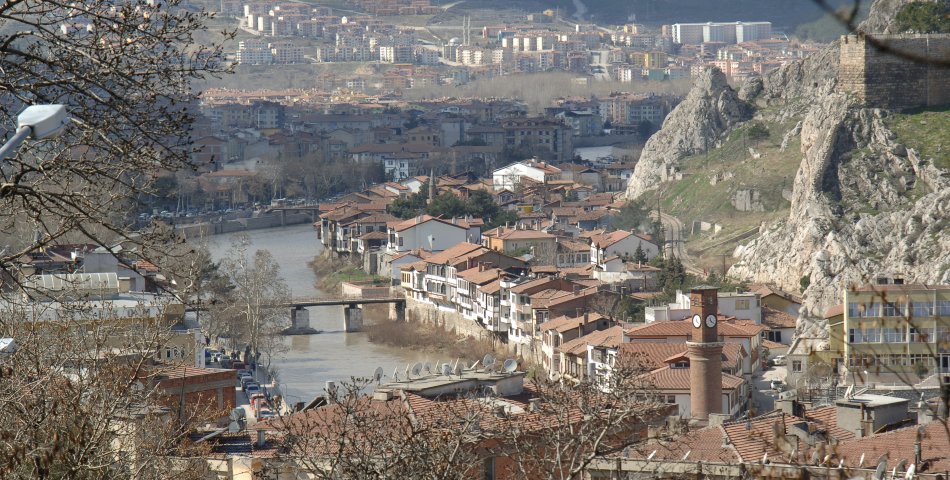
<point x="684" y="328"/>
<point x="777" y="319"/>
<point x="565" y="323"/>
<point x="827" y="417"/>
<point x="899" y="445"/>
<point x="667" y="378"/>
<point x="611" y="338"/>
<point x="412" y="222"/>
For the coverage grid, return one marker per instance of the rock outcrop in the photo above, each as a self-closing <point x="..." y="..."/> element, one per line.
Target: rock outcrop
<point x="711" y="109"/>
<point x="851" y="217"/>
<point x="862" y="204"/>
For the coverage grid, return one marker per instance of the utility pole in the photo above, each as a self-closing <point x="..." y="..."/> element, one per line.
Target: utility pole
<point x="723" y="267"/>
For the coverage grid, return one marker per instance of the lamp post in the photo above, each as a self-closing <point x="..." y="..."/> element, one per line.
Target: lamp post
<point x="36" y="122"/>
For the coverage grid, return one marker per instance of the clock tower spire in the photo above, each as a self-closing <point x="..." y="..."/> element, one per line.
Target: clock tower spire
<point x="705" y="354"/>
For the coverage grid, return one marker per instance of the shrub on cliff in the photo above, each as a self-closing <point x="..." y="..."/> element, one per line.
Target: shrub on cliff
<point x="925" y="17"/>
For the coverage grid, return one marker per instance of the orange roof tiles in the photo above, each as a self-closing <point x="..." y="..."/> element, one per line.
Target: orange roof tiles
<point x="565" y="323"/>
<point x="684" y="328"/>
<point x="611" y="338"/>
<point x="777" y="319"/>
<point x="668" y="378"/>
<point x="899" y="445"/>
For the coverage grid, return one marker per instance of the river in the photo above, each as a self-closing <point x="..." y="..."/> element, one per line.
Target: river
<point x="312" y="360"/>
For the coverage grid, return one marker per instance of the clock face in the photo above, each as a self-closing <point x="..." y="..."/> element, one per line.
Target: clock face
<point x="710" y="320"/>
<point x="697" y="321"/>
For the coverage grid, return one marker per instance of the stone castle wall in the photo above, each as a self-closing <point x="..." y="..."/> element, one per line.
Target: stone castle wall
<point x="882" y="79"/>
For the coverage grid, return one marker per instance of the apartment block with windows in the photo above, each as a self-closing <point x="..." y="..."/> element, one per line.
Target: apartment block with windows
<point x="896" y="328"/>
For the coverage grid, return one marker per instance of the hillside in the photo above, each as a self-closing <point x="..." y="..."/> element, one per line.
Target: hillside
<point x="671" y="11"/>
<point x="867" y="189"/>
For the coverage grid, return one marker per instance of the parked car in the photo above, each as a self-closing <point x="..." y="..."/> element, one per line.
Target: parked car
<point x="777" y="385"/>
<point x="779" y="360"/>
<point x="251" y="389"/>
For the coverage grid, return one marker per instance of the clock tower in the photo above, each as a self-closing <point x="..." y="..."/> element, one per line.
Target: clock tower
<point x="705" y="354"/>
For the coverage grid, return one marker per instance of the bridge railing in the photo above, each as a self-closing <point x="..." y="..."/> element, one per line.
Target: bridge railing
<point x="391" y="293"/>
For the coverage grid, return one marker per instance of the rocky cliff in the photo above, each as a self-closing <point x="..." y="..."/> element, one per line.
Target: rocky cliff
<point x="862" y="204"/>
<point x="710" y="110"/>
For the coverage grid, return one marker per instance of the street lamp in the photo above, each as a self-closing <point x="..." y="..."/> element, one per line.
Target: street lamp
<point x="36" y="122"/>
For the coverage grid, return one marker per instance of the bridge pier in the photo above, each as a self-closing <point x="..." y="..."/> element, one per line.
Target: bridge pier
<point x="352" y="318"/>
<point x="299" y="318"/>
<point x="283" y="218"/>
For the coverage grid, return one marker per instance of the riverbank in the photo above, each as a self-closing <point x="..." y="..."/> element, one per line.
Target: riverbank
<point x="431" y="339"/>
<point x="233" y="224"/>
<point x="332" y="270"/>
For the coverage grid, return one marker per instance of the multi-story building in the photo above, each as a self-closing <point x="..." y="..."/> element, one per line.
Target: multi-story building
<point x="632" y="109"/>
<point x="725" y="32"/>
<point x="396" y="54"/>
<point x="254" y="52"/>
<point x="286" y="52"/>
<point x="895" y="329"/>
<point x="540" y="132"/>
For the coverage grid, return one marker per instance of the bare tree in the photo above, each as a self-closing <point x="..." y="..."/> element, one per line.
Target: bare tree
<point x="468" y="433"/>
<point x="256" y="309"/>
<point x="77" y="397"/>
<point x="123" y="70"/>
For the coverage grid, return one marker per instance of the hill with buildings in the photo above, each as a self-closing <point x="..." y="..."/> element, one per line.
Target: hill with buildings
<point x="858" y="186"/>
<point x="672" y="11"/>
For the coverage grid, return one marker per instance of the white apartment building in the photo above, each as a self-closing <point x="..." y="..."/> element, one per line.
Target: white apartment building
<point x="510" y="176"/>
<point x="254" y="52"/>
<point x="725" y="32"/>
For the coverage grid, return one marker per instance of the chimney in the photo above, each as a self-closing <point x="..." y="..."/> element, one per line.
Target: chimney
<point x="330" y="390"/>
<point x="500" y="412"/>
<point x="261" y="439"/>
<point x="534" y="404"/>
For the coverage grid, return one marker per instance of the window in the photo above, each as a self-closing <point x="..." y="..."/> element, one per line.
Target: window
<point x="773" y="336"/>
<point x="893" y="309"/>
<point x="921" y="309"/>
<point x="895" y="335"/>
<point x="400" y="241"/>
<point x="921" y="335"/>
<point x="742" y="304"/>
<point x="943" y="308"/>
<point x="796" y="366"/>
<point x="924" y="359"/>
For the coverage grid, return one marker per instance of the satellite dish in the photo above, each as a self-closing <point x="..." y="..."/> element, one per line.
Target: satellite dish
<point x="396" y="374"/>
<point x="427" y="367"/>
<point x="510" y="365"/>
<point x="417" y="369"/>
<point x="458" y="369"/>
<point x="488" y="361"/>
<point x="446" y="369"/>
<point x="378" y="374"/>
<point x="474" y="365"/>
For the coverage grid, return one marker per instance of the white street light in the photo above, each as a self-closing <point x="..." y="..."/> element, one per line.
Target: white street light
<point x="36" y="122"/>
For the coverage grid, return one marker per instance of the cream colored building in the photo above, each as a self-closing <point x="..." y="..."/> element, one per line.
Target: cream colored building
<point x="896" y="329"/>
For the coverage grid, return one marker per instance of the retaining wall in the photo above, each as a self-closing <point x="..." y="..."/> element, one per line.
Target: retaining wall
<point x="241" y="224"/>
<point x="430" y="314"/>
